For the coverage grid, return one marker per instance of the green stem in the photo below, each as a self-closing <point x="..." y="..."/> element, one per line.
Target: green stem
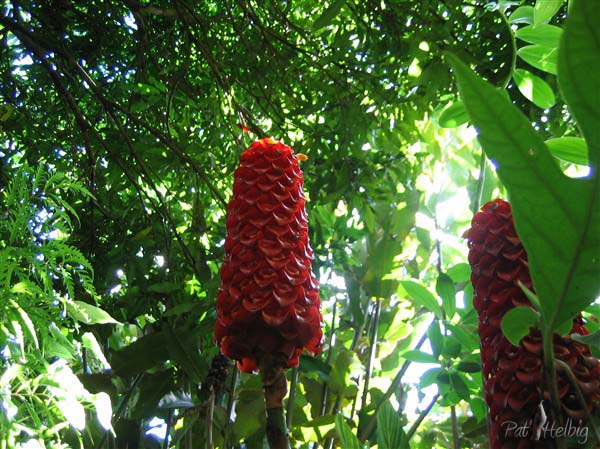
<point x="325" y="390"/>
<point x="230" y="403"/>
<point x="552" y="382"/>
<point x="513" y="43"/>
<point x="372" y="353"/>
<point x="272" y="372"/>
<point x="422" y="416"/>
<point x="588" y="416"/>
<point x="480" y="182"/>
<point x="455" y="434"/>
<point x="390" y="391"/>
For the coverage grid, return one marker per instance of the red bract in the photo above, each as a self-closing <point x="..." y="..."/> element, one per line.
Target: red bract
<point x="268" y="301"/>
<point x="513" y="374"/>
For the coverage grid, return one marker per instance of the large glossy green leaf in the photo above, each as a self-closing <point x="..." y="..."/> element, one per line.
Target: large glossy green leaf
<point x="557" y="218"/>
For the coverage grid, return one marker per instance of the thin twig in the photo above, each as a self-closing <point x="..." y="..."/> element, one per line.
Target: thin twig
<point x="291" y="399"/>
<point x="325" y="390"/>
<point x="390" y="391"/>
<point x="422" y="416"/>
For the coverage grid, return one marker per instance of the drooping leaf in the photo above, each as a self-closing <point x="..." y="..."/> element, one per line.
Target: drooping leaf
<point x="447" y="291"/>
<point x="422" y="296"/>
<point x="557" y="218"/>
<point x="534" y="88"/>
<point x="88" y="313"/>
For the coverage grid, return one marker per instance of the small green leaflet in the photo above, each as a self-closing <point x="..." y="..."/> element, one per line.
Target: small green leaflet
<point x="517" y="323"/>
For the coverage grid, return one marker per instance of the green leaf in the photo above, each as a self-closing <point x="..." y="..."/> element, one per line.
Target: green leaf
<point x="523" y="14"/>
<point x="468" y="367"/>
<point x="578" y="75"/>
<point x="557" y="218"/>
<point x="419" y="356"/>
<point x="534" y="88"/>
<point x="389" y="429"/>
<point x="546" y="35"/>
<point x="459" y="385"/>
<point x="88" y="340"/>
<point x="88" y="313"/>
<point x="327" y="16"/>
<point x="540" y="57"/>
<point x="183" y="348"/>
<point x="569" y="149"/>
<point x="422" y="297"/>
<point x="454" y="115"/>
<point x="434" y="334"/>
<point x="592" y="340"/>
<point x="461" y="272"/>
<point x="347" y="439"/>
<point x="517" y="322"/>
<point x="447" y="291"/>
<point x="143" y="354"/>
<point x="26" y="321"/>
<point x="544" y="10"/>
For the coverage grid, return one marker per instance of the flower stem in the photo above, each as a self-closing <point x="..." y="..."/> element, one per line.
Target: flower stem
<point x="552" y="382"/>
<point x="272" y="372"/>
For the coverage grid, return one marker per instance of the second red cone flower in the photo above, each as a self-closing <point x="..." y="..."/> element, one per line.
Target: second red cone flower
<point x="268" y="301"/>
<point x="512" y="375"/>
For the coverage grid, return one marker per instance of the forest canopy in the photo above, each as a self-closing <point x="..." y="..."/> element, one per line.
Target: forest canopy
<point x="122" y="123"/>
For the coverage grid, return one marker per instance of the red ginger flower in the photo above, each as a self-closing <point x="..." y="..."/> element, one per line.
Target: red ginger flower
<point x="268" y="301"/>
<point x="512" y="375"/>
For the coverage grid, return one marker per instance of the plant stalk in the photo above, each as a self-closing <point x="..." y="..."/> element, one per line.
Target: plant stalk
<point x="272" y="372"/>
<point x="552" y="382"/>
<point x="588" y="416"/>
<point x="372" y="353"/>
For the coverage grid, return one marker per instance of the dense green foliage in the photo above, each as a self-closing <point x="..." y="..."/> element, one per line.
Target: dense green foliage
<point x="122" y="123"/>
